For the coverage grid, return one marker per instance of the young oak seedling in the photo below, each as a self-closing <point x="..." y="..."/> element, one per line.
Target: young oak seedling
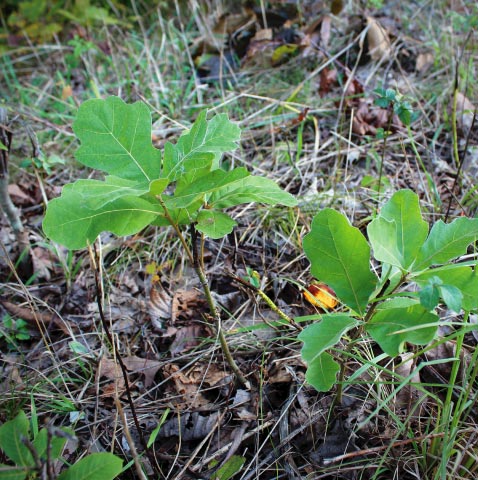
<point x="186" y="186"/>
<point x="383" y="307"/>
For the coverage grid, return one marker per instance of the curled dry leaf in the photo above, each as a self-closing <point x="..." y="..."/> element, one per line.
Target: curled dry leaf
<point x="464" y="113"/>
<point x="379" y="47"/>
<point x="320" y="295"/>
<point x="408" y="395"/>
<point x="186" y="385"/>
<point x="159" y="305"/>
<point x="143" y="366"/>
<point x="188" y="337"/>
<point x="424" y="62"/>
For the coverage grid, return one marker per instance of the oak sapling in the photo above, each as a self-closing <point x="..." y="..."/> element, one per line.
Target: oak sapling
<point x="383" y="307"/>
<point x="185" y="186"/>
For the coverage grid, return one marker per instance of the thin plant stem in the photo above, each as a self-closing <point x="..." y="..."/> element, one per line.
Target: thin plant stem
<point x="198" y="267"/>
<point x="196" y="261"/>
<point x="269" y="302"/>
<point x="104" y="323"/>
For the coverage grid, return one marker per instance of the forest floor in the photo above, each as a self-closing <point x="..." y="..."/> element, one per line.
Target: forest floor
<point x="302" y="85"/>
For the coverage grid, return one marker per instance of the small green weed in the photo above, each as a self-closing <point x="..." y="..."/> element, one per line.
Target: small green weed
<point x="13" y="330"/>
<point x="31" y="455"/>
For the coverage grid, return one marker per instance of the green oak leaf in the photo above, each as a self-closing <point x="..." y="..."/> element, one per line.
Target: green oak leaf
<point x="214" y="224"/>
<point x="339" y="256"/>
<point x="97" y="193"/>
<point x="322" y="372"/>
<point x="116" y="138"/>
<point x="157" y="187"/>
<point x="429" y="295"/>
<point x="69" y="219"/>
<point x="251" y="189"/>
<point x="205" y="142"/>
<point x="452" y="297"/>
<point x="180" y="216"/>
<point x="185" y="195"/>
<point x="96" y="466"/>
<point x="446" y="241"/>
<point x="317" y="338"/>
<point x="399" y="231"/>
<point x="11" y="434"/>
<point x="387" y="326"/>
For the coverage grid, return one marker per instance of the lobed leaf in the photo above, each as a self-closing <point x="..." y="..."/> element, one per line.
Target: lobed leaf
<point x="71" y="221"/>
<point x="339" y="256"/>
<point x="214" y="224"/>
<point x="97" y="193"/>
<point x="116" y="138"/>
<point x="394" y="325"/>
<point x="216" y="136"/>
<point x="446" y="241"/>
<point x="318" y="337"/>
<point x="399" y="231"/>
<point x="322" y="372"/>
<point x="251" y="189"/>
<point x="464" y="278"/>
<point x="185" y="195"/>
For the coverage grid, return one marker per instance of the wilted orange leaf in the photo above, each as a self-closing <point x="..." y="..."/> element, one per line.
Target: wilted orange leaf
<point x="320" y="295"/>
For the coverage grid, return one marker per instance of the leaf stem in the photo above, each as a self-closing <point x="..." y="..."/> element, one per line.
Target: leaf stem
<point x="269" y="302"/>
<point x="176" y="229"/>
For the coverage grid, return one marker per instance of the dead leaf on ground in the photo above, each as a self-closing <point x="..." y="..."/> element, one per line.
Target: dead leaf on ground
<point x="34" y="317"/>
<point x="187" y="305"/>
<point x="159" y="305"/>
<point x="424" y="62"/>
<point x="42" y="263"/>
<point x="379" y="47"/>
<point x="144" y="366"/>
<point x="19" y="196"/>
<point x="190" y="426"/>
<point x="229" y="23"/>
<point x="188" y="337"/>
<point x="110" y="369"/>
<point x="188" y="383"/>
<point x="11" y="375"/>
<point x="441" y="372"/>
<point x="325" y="31"/>
<point x="408" y="395"/>
<point x="464" y="113"/>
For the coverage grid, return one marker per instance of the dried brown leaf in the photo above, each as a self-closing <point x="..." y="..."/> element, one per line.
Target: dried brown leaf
<point x="464" y="113"/>
<point x="146" y="367"/>
<point x="325" y="31"/>
<point x="379" y="47"/>
<point x="424" y="62"/>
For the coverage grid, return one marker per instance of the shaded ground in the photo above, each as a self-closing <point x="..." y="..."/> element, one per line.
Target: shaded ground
<point x="300" y="83"/>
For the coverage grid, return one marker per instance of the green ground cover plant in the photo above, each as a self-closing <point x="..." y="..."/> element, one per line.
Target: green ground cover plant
<point x="33" y="454"/>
